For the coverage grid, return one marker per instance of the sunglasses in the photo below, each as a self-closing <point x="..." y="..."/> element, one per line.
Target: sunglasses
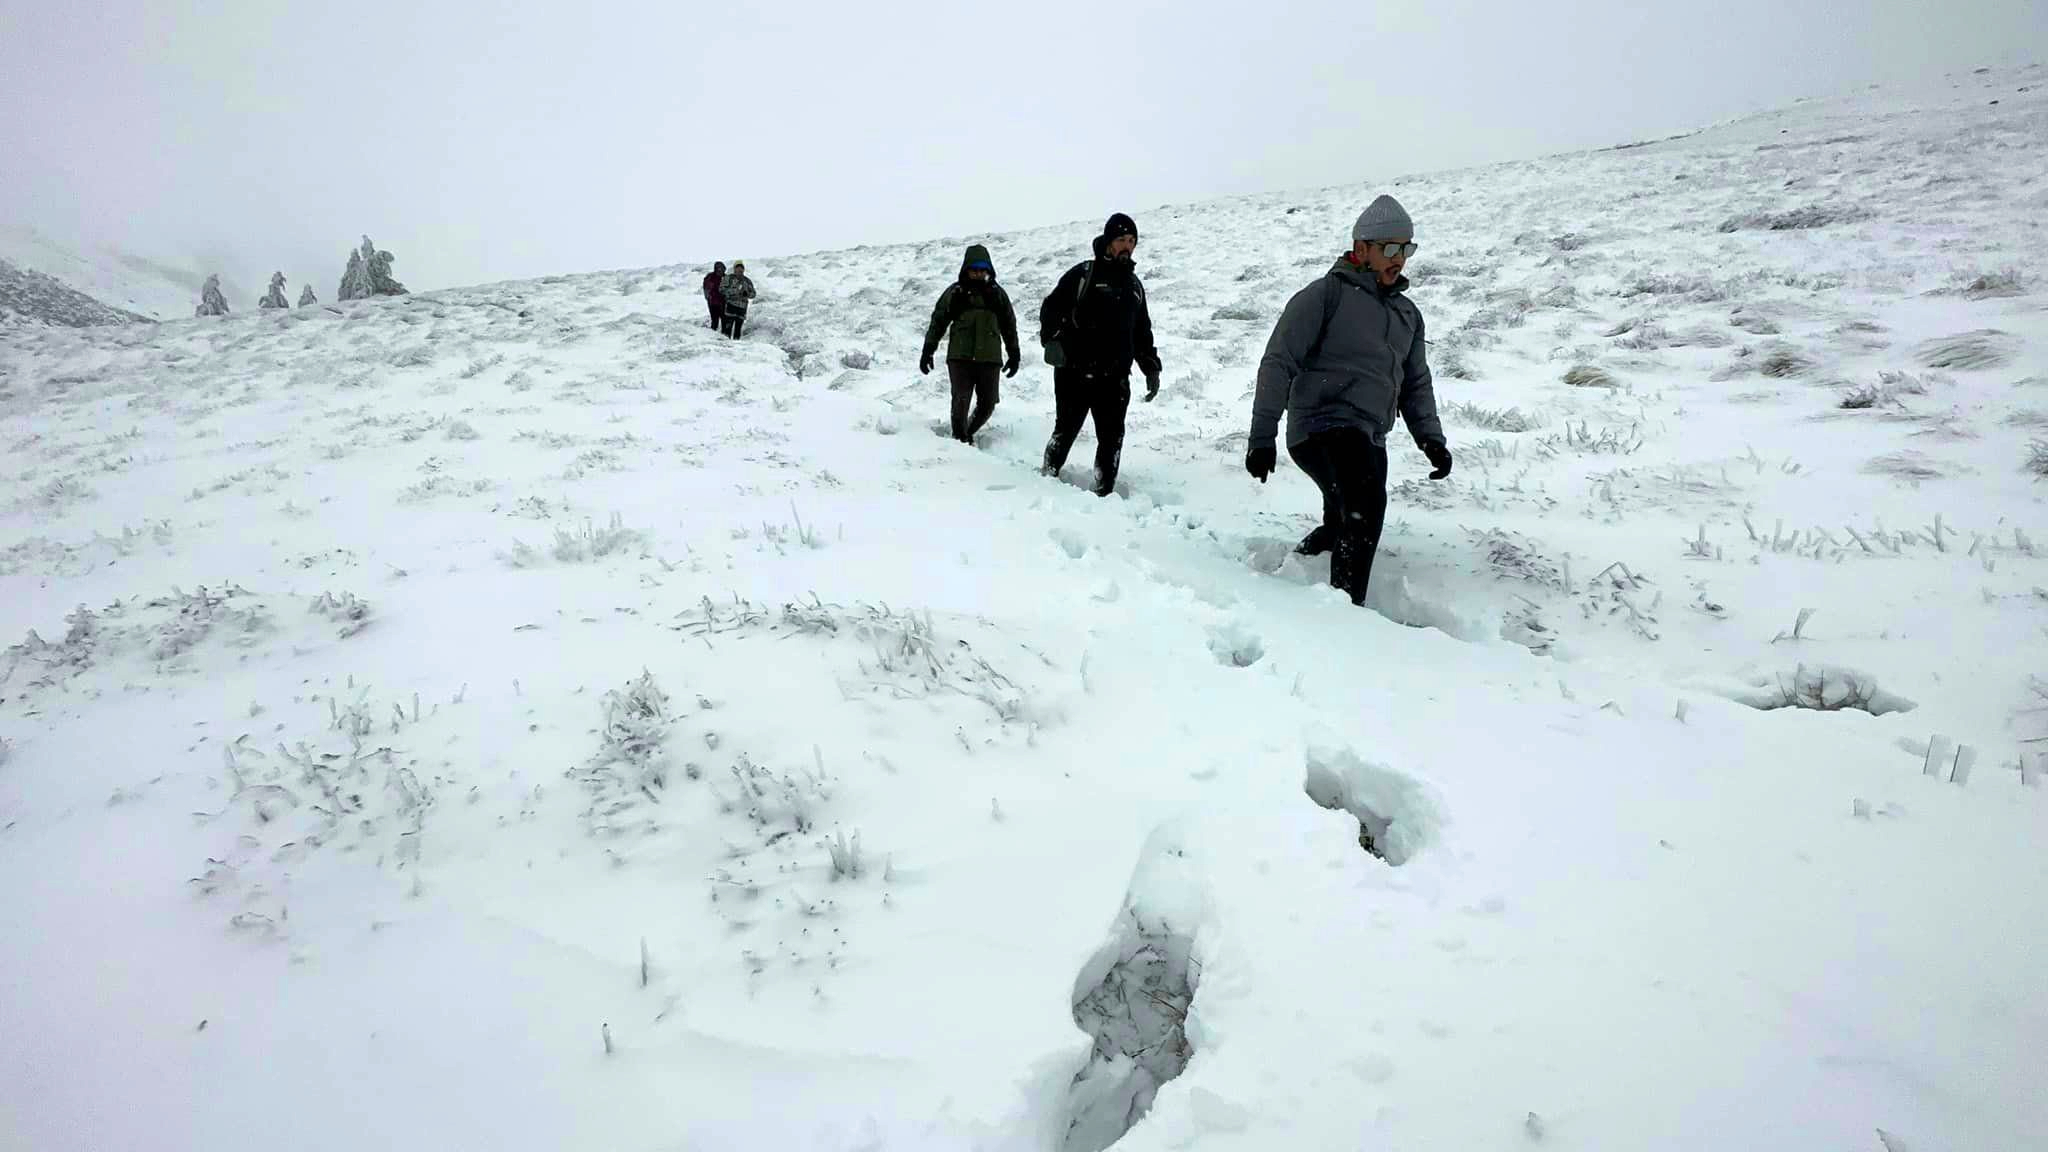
<point x="1394" y="249"/>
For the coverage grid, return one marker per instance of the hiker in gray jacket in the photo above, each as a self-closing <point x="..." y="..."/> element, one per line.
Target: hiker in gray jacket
<point x="1346" y="355"/>
<point x="737" y="292"/>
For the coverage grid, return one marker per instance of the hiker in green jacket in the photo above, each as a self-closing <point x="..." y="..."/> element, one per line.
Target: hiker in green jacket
<point x="975" y="316"/>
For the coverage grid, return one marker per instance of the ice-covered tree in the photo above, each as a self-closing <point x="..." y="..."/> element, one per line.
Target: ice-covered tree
<point x="369" y="274"/>
<point x="275" y="297"/>
<point x="355" y="281"/>
<point x="211" y="301"/>
<point x="306" y="296"/>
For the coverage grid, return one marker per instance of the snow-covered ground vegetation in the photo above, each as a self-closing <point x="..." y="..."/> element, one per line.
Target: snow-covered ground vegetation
<point x="515" y="717"/>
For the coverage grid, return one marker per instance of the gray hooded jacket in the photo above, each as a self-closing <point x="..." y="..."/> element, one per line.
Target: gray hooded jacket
<point x="1372" y="364"/>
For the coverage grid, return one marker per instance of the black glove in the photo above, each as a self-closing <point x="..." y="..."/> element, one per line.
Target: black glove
<point x="1010" y="366"/>
<point x="1259" y="461"/>
<point x="924" y="363"/>
<point x="1151" y="387"/>
<point x="1439" y="454"/>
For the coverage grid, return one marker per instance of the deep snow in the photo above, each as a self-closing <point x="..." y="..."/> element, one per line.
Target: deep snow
<point x="513" y="717"/>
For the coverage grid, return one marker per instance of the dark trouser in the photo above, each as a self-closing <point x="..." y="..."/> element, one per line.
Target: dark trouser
<point x="981" y="383"/>
<point x="1352" y="472"/>
<point x="1076" y="397"/>
<point x="732" y="322"/>
<point x="717" y="311"/>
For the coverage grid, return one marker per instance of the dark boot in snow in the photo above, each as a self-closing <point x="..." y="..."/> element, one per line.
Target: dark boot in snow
<point x="1317" y="541"/>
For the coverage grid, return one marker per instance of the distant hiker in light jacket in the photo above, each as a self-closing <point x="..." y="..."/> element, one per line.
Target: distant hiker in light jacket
<point x="1094" y="324"/>
<point x="735" y="291"/>
<point x="980" y="328"/>
<point x="714" y="292"/>
<point x="1346" y="355"/>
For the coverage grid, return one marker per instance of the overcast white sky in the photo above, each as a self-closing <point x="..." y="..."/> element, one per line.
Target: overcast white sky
<point x="484" y="141"/>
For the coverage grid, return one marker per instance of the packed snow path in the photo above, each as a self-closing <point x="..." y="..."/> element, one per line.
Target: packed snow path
<point x="514" y="717"/>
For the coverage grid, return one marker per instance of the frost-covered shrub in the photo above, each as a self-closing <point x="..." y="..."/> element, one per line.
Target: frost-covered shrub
<point x="1868" y="396"/>
<point x="856" y="361"/>
<point x="2037" y="457"/>
<point x="461" y="430"/>
<point x="346" y="610"/>
<point x="1754" y="323"/>
<point x="275" y="297"/>
<point x="590" y="542"/>
<point x="211" y="301"/>
<point x="1590" y="376"/>
<point x="306" y="297"/>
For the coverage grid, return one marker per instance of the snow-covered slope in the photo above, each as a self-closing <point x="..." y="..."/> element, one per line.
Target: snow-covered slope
<point x="28" y="298"/>
<point x="152" y="288"/>
<point x="515" y="718"/>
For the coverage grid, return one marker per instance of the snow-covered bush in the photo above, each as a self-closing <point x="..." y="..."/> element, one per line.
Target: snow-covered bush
<point x="1491" y="419"/>
<point x="306" y="296"/>
<point x="275" y="297"/>
<point x="211" y="301"/>
<point x="346" y="610"/>
<point x="589" y="542"/>
<point x="1783" y="361"/>
<point x="2037" y="457"/>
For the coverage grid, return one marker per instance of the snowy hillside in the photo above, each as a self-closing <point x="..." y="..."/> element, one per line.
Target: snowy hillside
<point x="128" y="282"/>
<point x="515" y="718"/>
<point x="28" y="298"/>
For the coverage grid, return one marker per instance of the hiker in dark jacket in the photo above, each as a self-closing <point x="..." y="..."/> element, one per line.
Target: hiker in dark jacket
<point x="1093" y="325"/>
<point x="735" y="291"/>
<point x="980" y="327"/>
<point x="1346" y="355"/>
<point x="714" y="292"/>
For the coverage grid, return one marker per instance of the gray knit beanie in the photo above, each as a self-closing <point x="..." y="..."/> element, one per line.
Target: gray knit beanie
<point x="1383" y="219"/>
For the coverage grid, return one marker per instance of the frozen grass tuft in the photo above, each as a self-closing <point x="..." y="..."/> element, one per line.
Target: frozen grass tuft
<point x="1827" y="689"/>
<point x="1982" y="348"/>
<point x="2028" y="418"/>
<point x="1859" y="399"/>
<point x="1783" y="362"/>
<point x="2037" y="457"/>
<point x="1491" y="419"/>
<point x="346" y="610"/>
<point x="6" y="751"/>
<point x="1910" y="466"/>
<point x="589" y="542"/>
<point x="1995" y="284"/>
<point x="461" y="430"/>
<point x="1796" y="220"/>
<point x="479" y="367"/>
<point x="1590" y="376"/>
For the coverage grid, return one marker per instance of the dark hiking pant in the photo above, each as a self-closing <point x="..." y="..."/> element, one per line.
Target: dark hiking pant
<point x="1352" y="472"/>
<point x="717" y="312"/>
<point x="980" y="383"/>
<point x="733" y="322"/>
<point x="1078" y="396"/>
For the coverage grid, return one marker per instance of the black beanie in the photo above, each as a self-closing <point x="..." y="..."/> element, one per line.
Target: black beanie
<point x="1119" y="225"/>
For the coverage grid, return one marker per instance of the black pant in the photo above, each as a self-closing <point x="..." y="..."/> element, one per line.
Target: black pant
<point x="717" y="312"/>
<point x="981" y="383"/>
<point x="1078" y="395"/>
<point x="1352" y="472"/>
<point x="733" y="322"/>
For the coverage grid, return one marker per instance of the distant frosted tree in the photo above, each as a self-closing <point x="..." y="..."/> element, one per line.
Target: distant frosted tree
<point x="275" y="297"/>
<point x="306" y="296"/>
<point x="211" y="301"/>
<point x="355" y="281"/>
<point x="369" y="274"/>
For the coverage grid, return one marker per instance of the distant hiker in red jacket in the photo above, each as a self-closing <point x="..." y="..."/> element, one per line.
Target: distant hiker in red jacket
<point x="714" y="295"/>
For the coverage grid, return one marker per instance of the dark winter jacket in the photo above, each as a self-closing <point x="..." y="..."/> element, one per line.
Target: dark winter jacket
<point x="736" y="290"/>
<point x="974" y="316"/>
<point x="714" y="289"/>
<point x="1371" y="364"/>
<point x="1097" y="312"/>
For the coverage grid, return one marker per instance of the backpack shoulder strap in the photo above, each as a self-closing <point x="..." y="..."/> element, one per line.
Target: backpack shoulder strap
<point x="1331" y="298"/>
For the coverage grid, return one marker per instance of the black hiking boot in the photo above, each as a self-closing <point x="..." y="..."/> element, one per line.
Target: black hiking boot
<point x="1317" y="542"/>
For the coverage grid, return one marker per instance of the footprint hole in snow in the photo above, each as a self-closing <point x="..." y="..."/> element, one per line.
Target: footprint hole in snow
<point x="1396" y="817"/>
